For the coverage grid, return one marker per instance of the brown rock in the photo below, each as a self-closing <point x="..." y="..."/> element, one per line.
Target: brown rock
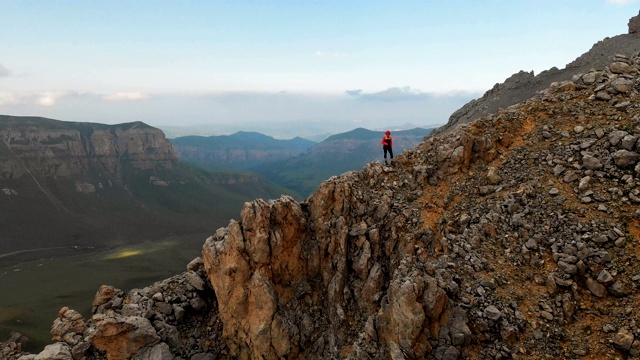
<point x="68" y="321"/>
<point x="596" y="288"/>
<point x="619" y="289"/>
<point x="120" y="336"/>
<point x="235" y="262"/>
<point x="605" y="278"/>
<point x="403" y="315"/>
<point x="57" y="351"/>
<point x="623" y="339"/>
<point x="626" y="159"/>
<point x="104" y="294"/>
<point x="622" y="85"/>
<point x="493" y="177"/>
<point x="620" y="68"/>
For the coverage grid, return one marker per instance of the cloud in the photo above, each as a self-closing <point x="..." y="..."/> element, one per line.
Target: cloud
<point x="276" y="114"/>
<point x="126" y="96"/>
<point x="7" y="98"/>
<point x="44" y="99"/>
<point x="49" y="98"/>
<point x="4" y="71"/>
<point x="405" y="93"/>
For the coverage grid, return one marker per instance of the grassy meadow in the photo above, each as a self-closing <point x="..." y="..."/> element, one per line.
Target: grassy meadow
<point x="32" y="293"/>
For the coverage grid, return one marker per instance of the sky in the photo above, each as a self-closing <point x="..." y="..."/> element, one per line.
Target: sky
<point x="282" y="66"/>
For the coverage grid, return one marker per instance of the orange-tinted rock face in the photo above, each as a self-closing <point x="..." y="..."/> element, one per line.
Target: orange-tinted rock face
<point x="251" y="267"/>
<point x="308" y="280"/>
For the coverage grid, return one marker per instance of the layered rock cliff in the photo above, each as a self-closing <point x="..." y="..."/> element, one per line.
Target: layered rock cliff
<point x="61" y="182"/>
<point x="47" y="147"/>
<point x="512" y="237"/>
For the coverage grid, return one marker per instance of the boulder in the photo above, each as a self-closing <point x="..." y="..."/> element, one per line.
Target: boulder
<point x="68" y="322"/>
<point x="56" y="351"/>
<point x="626" y="159"/>
<point x="121" y="337"/>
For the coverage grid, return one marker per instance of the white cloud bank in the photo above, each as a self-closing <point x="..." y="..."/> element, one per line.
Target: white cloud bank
<point x="400" y="94"/>
<point x="126" y="96"/>
<point x="45" y="99"/>
<point x="277" y="114"/>
<point x="49" y="98"/>
<point x="7" y="98"/>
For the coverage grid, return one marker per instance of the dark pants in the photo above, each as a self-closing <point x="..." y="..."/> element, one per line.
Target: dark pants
<point x="386" y="148"/>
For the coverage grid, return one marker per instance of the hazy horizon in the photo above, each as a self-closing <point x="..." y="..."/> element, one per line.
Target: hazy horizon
<point x="316" y="67"/>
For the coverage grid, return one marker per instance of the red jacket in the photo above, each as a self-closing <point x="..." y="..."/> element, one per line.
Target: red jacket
<point x="387" y="141"/>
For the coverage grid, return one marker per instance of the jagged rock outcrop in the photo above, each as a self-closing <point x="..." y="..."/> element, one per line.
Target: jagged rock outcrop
<point x="295" y="282"/>
<point x="634" y="24"/>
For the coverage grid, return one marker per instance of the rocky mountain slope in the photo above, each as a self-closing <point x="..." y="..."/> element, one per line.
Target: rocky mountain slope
<point x="239" y="151"/>
<point x="515" y="236"/>
<point x="523" y="85"/>
<point x="67" y="184"/>
<point x="335" y="155"/>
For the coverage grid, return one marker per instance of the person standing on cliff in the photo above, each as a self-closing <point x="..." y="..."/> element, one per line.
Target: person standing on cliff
<point x="387" y="145"/>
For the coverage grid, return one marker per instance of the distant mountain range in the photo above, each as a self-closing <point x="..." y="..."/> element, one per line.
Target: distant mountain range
<point x="298" y="164"/>
<point x="239" y="151"/>
<point x="86" y="184"/>
<point x="335" y="155"/>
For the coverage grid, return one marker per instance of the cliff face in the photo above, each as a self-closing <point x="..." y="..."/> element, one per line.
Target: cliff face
<point x="43" y="148"/>
<point x="512" y="237"/>
<point x="80" y="184"/>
